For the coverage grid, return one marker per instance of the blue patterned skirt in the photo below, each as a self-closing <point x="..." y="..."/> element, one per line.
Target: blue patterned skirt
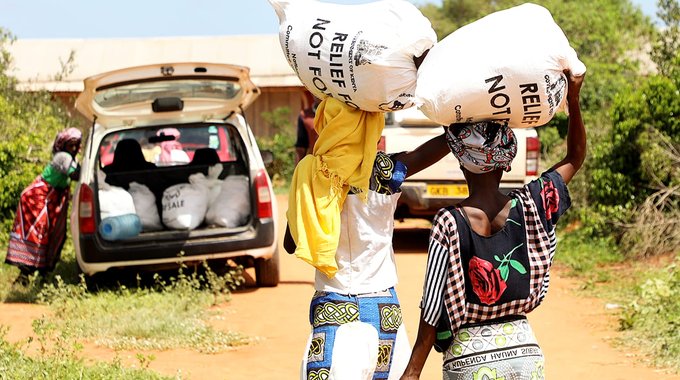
<point x="356" y="337"/>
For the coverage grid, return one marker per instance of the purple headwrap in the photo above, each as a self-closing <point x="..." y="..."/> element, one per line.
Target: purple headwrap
<point x="63" y="137"/>
<point x="482" y="147"/>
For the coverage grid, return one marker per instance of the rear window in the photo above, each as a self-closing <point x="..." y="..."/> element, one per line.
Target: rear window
<point x="174" y="145"/>
<point x="147" y="91"/>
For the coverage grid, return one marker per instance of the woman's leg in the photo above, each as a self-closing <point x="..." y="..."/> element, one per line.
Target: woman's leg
<point x="382" y="311"/>
<point x="24" y="277"/>
<point x="328" y="313"/>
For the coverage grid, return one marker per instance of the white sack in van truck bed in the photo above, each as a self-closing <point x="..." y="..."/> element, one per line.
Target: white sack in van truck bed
<point x="113" y="200"/>
<point x="185" y="204"/>
<point x="232" y="207"/>
<point x="360" y="54"/>
<point x="507" y="66"/>
<point x="145" y="205"/>
<point x="213" y="182"/>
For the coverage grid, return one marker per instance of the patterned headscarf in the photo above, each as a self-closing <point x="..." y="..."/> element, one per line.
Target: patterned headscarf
<point x="482" y="147"/>
<point x="63" y="137"/>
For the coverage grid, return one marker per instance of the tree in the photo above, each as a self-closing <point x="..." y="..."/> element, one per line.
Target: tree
<point x="28" y="124"/>
<point x="280" y="144"/>
<point x="666" y="50"/>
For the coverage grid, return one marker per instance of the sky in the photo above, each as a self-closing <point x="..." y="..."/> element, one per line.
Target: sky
<point x="154" y="18"/>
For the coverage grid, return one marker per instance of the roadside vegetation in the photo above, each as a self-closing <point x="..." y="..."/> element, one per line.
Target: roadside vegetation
<point x="281" y="144"/>
<point x="59" y="359"/>
<point x="621" y="238"/>
<point x="139" y="314"/>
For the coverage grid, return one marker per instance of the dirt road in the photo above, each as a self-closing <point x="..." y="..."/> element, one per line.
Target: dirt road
<point x="572" y="330"/>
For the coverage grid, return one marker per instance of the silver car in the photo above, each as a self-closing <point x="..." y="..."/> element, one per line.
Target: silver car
<point x="186" y="117"/>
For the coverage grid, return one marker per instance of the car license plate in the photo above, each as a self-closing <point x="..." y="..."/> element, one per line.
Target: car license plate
<point x="447" y="191"/>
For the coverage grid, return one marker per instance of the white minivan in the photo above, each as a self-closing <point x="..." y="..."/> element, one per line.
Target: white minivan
<point x="186" y="118"/>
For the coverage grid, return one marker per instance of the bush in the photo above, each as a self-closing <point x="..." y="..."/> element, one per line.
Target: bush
<point x="281" y="144"/>
<point x="628" y="166"/>
<point x="656" y="226"/>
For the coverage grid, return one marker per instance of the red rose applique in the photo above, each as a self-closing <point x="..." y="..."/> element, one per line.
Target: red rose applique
<point x="486" y="281"/>
<point x="551" y="199"/>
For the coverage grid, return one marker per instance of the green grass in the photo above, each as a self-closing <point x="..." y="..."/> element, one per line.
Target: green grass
<point x="586" y="257"/>
<point x="170" y="314"/>
<point x="165" y="312"/>
<point x="59" y="359"/>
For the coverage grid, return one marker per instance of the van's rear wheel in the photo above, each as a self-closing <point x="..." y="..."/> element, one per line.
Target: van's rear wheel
<point x="267" y="271"/>
<point x="91" y="280"/>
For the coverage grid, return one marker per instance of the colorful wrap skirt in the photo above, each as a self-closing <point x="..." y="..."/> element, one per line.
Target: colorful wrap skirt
<point x="494" y="351"/>
<point x="39" y="229"/>
<point x="356" y="337"/>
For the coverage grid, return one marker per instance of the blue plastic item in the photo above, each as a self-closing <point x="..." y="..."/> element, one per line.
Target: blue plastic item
<point x="120" y="227"/>
<point x="398" y="176"/>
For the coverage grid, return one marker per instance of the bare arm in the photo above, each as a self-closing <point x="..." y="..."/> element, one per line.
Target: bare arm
<point x="425" y="155"/>
<point x="421" y="350"/>
<point x="288" y="241"/>
<point x="576" y="135"/>
<point x="299" y="154"/>
<point x="302" y="140"/>
<point x="419" y="60"/>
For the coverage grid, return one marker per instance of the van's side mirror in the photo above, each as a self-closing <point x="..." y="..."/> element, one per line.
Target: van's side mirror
<point x="267" y="156"/>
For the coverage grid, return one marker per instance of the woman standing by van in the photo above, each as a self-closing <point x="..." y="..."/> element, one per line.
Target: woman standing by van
<point x="39" y="229"/>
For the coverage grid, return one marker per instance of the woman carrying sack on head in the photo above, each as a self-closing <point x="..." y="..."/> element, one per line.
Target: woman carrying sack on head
<point x="489" y="257"/>
<point x="357" y="331"/>
<point x="39" y="229"/>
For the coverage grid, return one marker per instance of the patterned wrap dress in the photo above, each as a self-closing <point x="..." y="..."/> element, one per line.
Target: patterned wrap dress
<point x="357" y="328"/>
<point x="478" y="289"/>
<point x="39" y="229"/>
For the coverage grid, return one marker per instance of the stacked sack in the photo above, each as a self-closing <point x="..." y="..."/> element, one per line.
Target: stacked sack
<point x="185" y="204"/>
<point x="208" y="199"/>
<point x="359" y="54"/>
<point x="113" y="200"/>
<point x="506" y="67"/>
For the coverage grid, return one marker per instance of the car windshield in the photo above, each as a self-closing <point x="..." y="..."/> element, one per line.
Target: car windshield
<point x="175" y="145"/>
<point x="180" y="88"/>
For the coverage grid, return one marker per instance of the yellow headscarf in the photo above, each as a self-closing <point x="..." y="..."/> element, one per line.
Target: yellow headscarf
<point x="342" y="159"/>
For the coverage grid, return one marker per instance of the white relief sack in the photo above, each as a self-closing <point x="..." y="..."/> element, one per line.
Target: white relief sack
<point x="185" y="204"/>
<point x="507" y="66"/>
<point x="113" y="200"/>
<point x="145" y="205"/>
<point x="232" y="207"/>
<point x="214" y="183"/>
<point x="360" y="54"/>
